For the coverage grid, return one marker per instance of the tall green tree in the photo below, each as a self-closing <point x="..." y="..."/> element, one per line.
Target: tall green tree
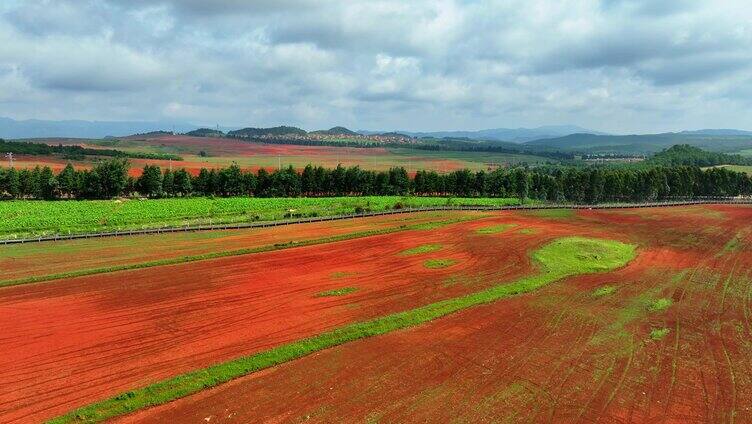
<point x="150" y="182"/>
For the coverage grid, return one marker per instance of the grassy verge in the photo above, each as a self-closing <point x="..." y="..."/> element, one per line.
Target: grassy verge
<point x="552" y="213"/>
<point x="222" y="254"/>
<point x="556" y="260"/>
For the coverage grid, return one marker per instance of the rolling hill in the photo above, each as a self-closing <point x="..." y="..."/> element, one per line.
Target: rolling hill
<point x="516" y="135"/>
<point x="642" y="144"/>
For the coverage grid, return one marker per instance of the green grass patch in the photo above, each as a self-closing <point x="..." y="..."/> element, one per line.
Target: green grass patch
<point x="660" y="304"/>
<point x="337" y="292"/>
<point x="439" y="263"/>
<point x="495" y="229"/>
<point x="634" y="309"/>
<point x="528" y="231"/>
<point x="734" y="244"/>
<point x="604" y="291"/>
<point x="659" y="333"/>
<point x="426" y="248"/>
<point x="554" y="261"/>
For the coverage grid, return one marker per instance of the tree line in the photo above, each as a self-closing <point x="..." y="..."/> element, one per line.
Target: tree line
<point x="110" y="179"/>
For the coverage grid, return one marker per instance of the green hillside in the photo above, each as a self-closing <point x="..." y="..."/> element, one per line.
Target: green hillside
<point x="641" y="144"/>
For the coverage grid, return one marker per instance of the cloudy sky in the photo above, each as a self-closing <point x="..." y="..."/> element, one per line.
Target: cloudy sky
<point x="613" y="65"/>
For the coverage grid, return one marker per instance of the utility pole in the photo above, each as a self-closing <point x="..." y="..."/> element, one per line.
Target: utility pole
<point x="279" y="162"/>
<point x="170" y="164"/>
<point x="9" y="155"/>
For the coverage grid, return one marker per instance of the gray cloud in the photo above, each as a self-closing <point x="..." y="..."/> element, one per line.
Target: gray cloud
<point x="614" y="65"/>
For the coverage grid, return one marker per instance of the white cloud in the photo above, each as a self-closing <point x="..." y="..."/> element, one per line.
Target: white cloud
<point x="615" y="65"/>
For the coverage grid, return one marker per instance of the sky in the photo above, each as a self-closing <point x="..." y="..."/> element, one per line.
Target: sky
<point x="621" y="66"/>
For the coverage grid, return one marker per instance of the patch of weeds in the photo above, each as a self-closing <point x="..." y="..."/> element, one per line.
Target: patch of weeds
<point x="734" y="244"/>
<point x="337" y="292"/>
<point x="528" y="231"/>
<point x="659" y="333"/>
<point x="604" y="291"/>
<point x="636" y="309"/>
<point x="660" y="304"/>
<point x="495" y="229"/>
<point x="426" y="248"/>
<point x="438" y="263"/>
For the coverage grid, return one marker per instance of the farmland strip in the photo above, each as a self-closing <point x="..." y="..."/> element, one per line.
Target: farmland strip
<point x="227" y="253"/>
<point x="477" y="207"/>
<point x="556" y="260"/>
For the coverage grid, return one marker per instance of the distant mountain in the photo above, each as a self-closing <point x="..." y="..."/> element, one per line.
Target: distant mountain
<point x="335" y="131"/>
<point x="35" y="128"/>
<point x="273" y="131"/>
<point x="517" y="135"/>
<point x="641" y="144"/>
<point x="720" y="132"/>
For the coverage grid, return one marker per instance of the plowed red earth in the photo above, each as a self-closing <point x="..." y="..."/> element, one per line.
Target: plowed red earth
<point x="230" y="147"/>
<point x="35" y="259"/>
<point x="70" y="342"/>
<point x="561" y="354"/>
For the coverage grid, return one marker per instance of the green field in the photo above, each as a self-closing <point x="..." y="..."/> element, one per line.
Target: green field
<point x="31" y="218"/>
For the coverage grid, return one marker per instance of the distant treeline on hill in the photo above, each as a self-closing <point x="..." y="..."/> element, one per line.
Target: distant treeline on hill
<point x="580" y="185"/>
<point x="684" y="154"/>
<point x="75" y="152"/>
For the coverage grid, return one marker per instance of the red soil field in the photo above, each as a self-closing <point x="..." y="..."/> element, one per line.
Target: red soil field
<point x="565" y="353"/>
<point x="57" y="164"/>
<point x="71" y="342"/>
<point x="252" y="156"/>
<point x="230" y="147"/>
<point x="19" y="261"/>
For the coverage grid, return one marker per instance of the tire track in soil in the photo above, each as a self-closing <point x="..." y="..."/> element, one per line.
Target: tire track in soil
<point x="678" y="294"/>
